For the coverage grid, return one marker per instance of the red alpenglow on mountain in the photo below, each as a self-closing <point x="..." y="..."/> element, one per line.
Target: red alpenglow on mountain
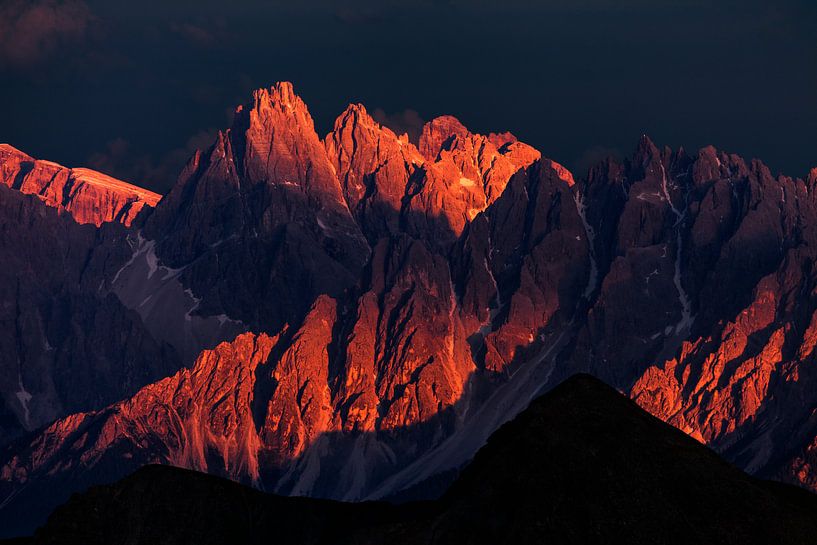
<point x="90" y="196"/>
<point x="352" y="316"/>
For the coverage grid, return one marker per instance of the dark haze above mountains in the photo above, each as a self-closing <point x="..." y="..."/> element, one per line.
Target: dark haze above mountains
<point x="132" y="88"/>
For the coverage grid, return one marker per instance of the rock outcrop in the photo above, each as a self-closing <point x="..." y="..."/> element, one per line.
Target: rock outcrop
<point x="258" y="224"/>
<point x="89" y="196"/>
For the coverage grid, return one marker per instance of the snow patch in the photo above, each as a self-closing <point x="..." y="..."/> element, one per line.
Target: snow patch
<point x="645" y="196"/>
<point x="488" y="326"/>
<point x="223" y="319"/>
<point x="686" y="306"/>
<point x="167" y="309"/>
<point x="139" y="250"/>
<point x="151" y="258"/>
<point x="171" y="273"/>
<point x="590" y="233"/>
<point x="678" y="214"/>
<point x="24" y="397"/>
<point x="196" y="301"/>
<point x="685" y="323"/>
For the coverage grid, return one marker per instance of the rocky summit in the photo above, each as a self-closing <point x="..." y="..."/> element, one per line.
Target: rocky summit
<point x="351" y="317"/>
<point x="90" y="196"/>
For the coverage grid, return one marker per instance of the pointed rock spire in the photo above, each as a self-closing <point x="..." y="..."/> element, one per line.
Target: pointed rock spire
<point x="645" y="151"/>
<point x="437" y="132"/>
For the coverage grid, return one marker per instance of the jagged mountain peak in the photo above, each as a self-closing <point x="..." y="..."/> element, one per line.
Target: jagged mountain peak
<point x="646" y="152"/>
<point x="437" y="132"/>
<point x="280" y="94"/>
<point x="358" y="111"/>
<point x="373" y="165"/>
<point x="7" y="150"/>
<point x="356" y="115"/>
<point x="265" y="188"/>
<point x="561" y="171"/>
<point x="271" y="107"/>
<point x="500" y="139"/>
<point x="274" y="140"/>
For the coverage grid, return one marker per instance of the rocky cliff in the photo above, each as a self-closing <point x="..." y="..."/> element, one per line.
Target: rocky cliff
<point x="89" y="196"/>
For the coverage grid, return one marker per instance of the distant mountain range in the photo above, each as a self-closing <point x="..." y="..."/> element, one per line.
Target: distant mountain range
<point x="352" y="317"/>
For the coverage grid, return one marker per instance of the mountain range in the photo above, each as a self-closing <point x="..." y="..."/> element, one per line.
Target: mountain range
<point x="351" y="317"/>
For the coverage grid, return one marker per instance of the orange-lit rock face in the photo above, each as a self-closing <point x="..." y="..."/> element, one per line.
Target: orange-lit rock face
<point x="416" y="361"/>
<point x="464" y="174"/>
<point x="255" y="404"/>
<point x="90" y="196"/>
<point x="730" y="384"/>
<point x="434" y="191"/>
<point x="374" y="166"/>
<point x="189" y="419"/>
<point x="300" y="407"/>
<point x="438" y="134"/>
<point x="422" y="278"/>
<point x="414" y="297"/>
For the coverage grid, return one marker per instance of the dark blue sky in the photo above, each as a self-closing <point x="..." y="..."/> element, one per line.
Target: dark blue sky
<point x="132" y="88"/>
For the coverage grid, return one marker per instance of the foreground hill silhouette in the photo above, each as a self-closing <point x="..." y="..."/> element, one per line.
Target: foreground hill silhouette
<point x="582" y="464"/>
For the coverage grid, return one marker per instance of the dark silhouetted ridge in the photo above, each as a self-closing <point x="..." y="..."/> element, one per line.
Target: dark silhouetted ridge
<point x="583" y="464"/>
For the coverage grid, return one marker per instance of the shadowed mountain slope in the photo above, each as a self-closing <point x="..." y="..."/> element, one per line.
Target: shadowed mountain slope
<point x="582" y="464"/>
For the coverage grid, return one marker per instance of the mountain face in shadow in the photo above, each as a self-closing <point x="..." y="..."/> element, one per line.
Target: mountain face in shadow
<point x="350" y="317"/>
<point x="582" y="464"/>
<point x="66" y="344"/>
